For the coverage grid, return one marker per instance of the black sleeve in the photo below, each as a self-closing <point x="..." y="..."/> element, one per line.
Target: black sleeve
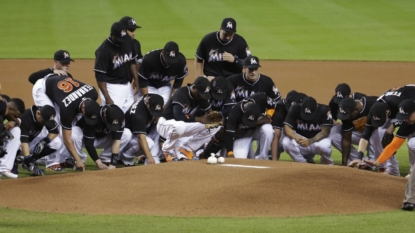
<point x="89" y="146"/>
<point x="178" y="83"/>
<point x="117" y="134"/>
<point x="102" y="62"/>
<point x="333" y="108"/>
<point x="142" y="82"/>
<point x="24" y="135"/>
<point x="100" y="77"/>
<point x="178" y="114"/>
<point x="291" y="118"/>
<point x="226" y="109"/>
<point x="368" y="132"/>
<point x="39" y="74"/>
<point x="3" y="108"/>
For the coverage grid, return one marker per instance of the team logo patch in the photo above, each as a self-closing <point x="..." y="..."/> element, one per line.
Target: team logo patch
<point x="131" y="22"/>
<point x="158" y="107"/>
<point x="401" y="111"/>
<point x="307" y="110"/>
<point x="123" y="33"/>
<point x="115" y="122"/>
<point x="253" y="61"/>
<point x="93" y="116"/>
<point x="229" y="25"/>
<point x="66" y="55"/>
<point x="339" y="95"/>
<point x="248" y="52"/>
<point x="219" y="91"/>
<point x="207" y="89"/>
<point x="172" y="54"/>
<point x="341" y="110"/>
<point x="251" y="118"/>
<point x="375" y="118"/>
<point x="52" y="118"/>
<point x="275" y="90"/>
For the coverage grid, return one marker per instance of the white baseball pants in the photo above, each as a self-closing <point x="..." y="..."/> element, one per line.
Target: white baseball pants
<point x="121" y="94"/>
<point x="242" y="147"/>
<point x="11" y="147"/>
<point x="306" y="154"/>
<point x="162" y="91"/>
<point x="55" y="144"/>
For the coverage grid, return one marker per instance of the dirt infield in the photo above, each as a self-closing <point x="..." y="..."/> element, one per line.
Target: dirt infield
<point x="196" y="189"/>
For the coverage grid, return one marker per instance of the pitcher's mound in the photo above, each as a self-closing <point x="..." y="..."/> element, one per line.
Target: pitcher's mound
<point x="241" y="188"/>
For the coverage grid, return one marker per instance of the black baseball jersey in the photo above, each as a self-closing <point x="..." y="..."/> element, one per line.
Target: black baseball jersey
<point x="335" y="107"/>
<point x="3" y="107"/>
<point x="99" y="130"/>
<point x="220" y="105"/>
<point x="368" y="101"/>
<point x="115" y="61"/>
<point x="211" y="50"/>
<point x="405" y="130"/>
<point x="189" y="105"/>
<point x="137" y="49"/>
<point x="234" y="125"/>
<point x="154" y="72"/>
<point x="138" y="118"/>
<point x="281" y="111"/>
<point x="243" y="88"/>
<point x="305" y="128"/>
<point x="41" y="74"/>
<point x="68" y="94"/>
<point x="395" y="96"/>
<point x="30" y="128"/>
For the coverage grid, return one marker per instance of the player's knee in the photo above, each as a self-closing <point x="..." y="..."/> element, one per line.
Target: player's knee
<point x="178" y="129"/>
<point x="56" y="143"/>
<point x="411" y="144"/>
<point x="267" y="130"/>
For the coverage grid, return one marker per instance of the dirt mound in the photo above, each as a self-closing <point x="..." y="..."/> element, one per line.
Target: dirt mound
<point x="241" y="188"/>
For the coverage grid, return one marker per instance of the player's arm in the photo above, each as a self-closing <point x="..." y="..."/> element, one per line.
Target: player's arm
<point x="199" y="67"/>
<point x="346" y="146"/>
<point x="289" y="132"/>
<point x="324" y="133"/>
<point x="102" y="84"/>
<point x="274" y="144"/>
<point x="69" y="144"/>
<point x="25" y="149"/>
<point x="142" y="139"/>
<point x="133" y="69"/>
<point x="40" y="74"/>
<point x="388" y="151"/>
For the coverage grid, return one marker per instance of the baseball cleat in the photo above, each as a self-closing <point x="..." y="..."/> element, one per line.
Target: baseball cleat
<point x="408" y="206"/>
<point x="188" y="154"/>
<point x="56" y="168"/>
<point x="169" y="157"/>
<point x="9" y="174"/>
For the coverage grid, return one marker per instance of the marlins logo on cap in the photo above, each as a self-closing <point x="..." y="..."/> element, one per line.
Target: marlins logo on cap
<point x="307" y="110"/>
<point x="132" y="22"/>
<point x="65" y="55"/>
<point x="229" y="24"/>
<point x="342" y="110"/>
<point x="207" y="89"/>
<point x="251" y="118"/>
<point x="376" y="118"/>
<point x="172" y="54"/>
<point x="123" y="33"/>
<point x="339" y="94"/>
<point x="115" y="122"/>
<point x="401" y="111"/>
<point x="253" y="61"/>
<point x="158" y="107"/>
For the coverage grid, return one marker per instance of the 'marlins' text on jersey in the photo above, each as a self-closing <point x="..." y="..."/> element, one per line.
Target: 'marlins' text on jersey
<point x="77" y="94"/>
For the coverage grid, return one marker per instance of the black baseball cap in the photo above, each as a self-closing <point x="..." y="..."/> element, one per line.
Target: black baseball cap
<point x="219" y="88"/>
<point x="48" y="114"/>
<point x="308" y="109"/>
<point x="92" y="111"/>
<point x="118" y="30"/>
<point x="294" y="97"/>
<point x="342" y="91"/>
<point x="171" y="52"/>
<point x="346" y="107"/>
<point x="251" y="114"/>
<point x="62" y="56"/>
<point x="202" y="85"/>
<point x="115" y="117"/>
<point x="229" y="25"/>
<point x="406" y="108"/>
<point x="377" y="114"/>
<point x="129" y="22"/>
<point x="251" y="62"/>
<point x="156" y="103"/>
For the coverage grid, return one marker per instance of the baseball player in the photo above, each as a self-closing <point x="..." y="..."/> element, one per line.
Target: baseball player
<point x="140" y="120"/>
<point x="10" y="144"/>
<point x="221" y="53"/>
<point x="114" y="66"/>
<point x="179" y="120"/>
<point x="353" y="115"/>
<point x="250" y="81"/>
<point x="306" y="129"/>
<point x="406" y="114"/>
<point x="39" y="138"/>
<point x="281" y="111"/>
<point x="159" y="68"/>
<point x="69" y="97"/>
<point x="342" y="91"/>
<point x="62" y="63"/>
<point x="131" y="25"/>
<point x="382" y="119"/>
<point x="107" y="134"/>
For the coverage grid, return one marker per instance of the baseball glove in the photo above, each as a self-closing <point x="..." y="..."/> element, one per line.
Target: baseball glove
<point x="359" y="124"/>
<point x="215" y="119"/>
<point x="262" y="120"/>
<point x="387" y="138"/>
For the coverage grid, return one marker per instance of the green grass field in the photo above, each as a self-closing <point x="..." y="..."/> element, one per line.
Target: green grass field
<point x="286" y="30"/>
<point x="381" y="30"/>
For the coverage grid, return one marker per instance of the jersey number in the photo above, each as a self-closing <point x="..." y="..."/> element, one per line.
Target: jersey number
<point x="67" y="84"/>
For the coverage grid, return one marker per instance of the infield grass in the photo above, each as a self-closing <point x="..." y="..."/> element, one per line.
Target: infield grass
<point x="377" y="30"/>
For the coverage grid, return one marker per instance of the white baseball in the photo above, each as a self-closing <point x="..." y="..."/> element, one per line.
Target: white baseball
<point x="212" y="159"/>
<point x="221" y="160"/>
